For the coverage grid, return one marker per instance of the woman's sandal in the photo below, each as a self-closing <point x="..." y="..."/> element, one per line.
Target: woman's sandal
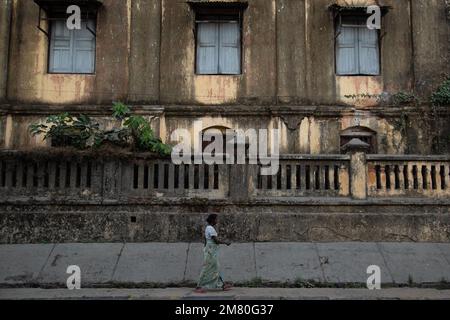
<point x="227" y="287"/>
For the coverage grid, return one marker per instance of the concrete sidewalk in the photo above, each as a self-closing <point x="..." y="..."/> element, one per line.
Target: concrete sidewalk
<point x="142" y="264"/>
<point x="235" y="294"/>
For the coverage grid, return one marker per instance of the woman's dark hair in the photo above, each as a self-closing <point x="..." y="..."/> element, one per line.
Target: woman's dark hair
<point x="211" y="218"/>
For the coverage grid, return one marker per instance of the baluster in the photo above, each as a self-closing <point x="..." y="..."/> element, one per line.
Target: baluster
<point x="136" y="171"/>
<point x="151" y="175"/>
<point x="181" y="177"/>
<point x="306" y="179"/>
<point x="314" y="179"/>
<point x="19" y="174"/>
<point x="283" y="177"/>
<point x="331" y="176"/>
<point x="426" y="169"/>
<point x="211" y="177"/>
<point x="84" y="174"/>
<point x="383" y="178"/>
<point x="419" y="176"/>
<point x="171" y="177"/>
<point x="201" y="176"/>
<point x="437" y="176"/>
<point x="9" y="166"/>
<point x="344" y="180"/>
<point x="146" y="182"/>
<point x="73" y="174"/>
<point x="446" y="177"/>
<point x="264" y="180"/>
<point x="322" y="184"/>
<point x="161" y="174"/>
<point x="2" y="173"/>
<point x="222" y="175"/>
<point x="388" y="170"/>
<point x="191" y="176"/>
<point x="406" y="177"/>
<point x="401" y="177"/>
<point x="372" y="178"/>
<point x="30" y="174"/>
<point x="291" y="177"/>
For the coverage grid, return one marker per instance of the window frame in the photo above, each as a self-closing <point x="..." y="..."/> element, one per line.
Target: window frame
<point x="220" y="15"/>
<point x="50" y="42"/>
<point x="339" y="24"/>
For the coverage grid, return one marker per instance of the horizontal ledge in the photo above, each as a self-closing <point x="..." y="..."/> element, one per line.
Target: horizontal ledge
<point x="267" y="201"/>
<point x="312" y="157"/>
<point x="62" y="152"/>
<point x="229" y="110"/>
<point x="381" y="157"/>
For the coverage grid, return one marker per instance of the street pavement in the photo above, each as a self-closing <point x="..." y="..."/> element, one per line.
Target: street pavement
<point x="235" y="294"/>
<point x="144" y="265"/>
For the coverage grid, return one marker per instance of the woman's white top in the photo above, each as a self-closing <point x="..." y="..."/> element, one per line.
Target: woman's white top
<point x="210" y="232"/>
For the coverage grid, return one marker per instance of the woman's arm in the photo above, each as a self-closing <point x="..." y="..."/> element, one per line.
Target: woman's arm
<point x="218" y="241"/>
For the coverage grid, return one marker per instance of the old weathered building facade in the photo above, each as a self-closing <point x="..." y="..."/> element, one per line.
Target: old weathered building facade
<point x="307" y="67"/>
<point x="145" y="54"/>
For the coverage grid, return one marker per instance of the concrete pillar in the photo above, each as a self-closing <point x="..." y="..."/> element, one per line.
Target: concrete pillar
<point x="242" y="180"/>
<point x="357" y="150"/>
<point x="5" y="19"/>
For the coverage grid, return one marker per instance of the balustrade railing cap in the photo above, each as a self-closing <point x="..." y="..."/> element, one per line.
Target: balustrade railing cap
<point x="355" y="145"/>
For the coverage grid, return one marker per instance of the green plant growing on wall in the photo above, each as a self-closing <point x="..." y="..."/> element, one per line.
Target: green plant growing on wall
<point x="363" y="96"/>
<point x="137" y="129"/>
<point x="118" y="137"/>
<point x="65" y="130"/>
<point x="441" y="96"/>
<point x="80" y="132"/>
<point x="401" y="97"/>
<point x="120" y="111"/>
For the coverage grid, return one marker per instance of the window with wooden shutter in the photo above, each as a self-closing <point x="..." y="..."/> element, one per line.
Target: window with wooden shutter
<point x="218" y="41"/>
<point x="229" y="48"/>
<point x="369" y="53"/>
<point x="72" y="51"/>
<point x="207" y="48"/>
<point x="357" y="48"/>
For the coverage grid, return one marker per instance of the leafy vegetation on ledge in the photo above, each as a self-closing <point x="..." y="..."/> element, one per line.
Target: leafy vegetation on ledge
<point x="441" y="96"/>
<point x="81" y="132"/>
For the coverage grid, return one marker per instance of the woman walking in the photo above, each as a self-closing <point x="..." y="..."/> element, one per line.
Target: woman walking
<point x="210" y="277"/>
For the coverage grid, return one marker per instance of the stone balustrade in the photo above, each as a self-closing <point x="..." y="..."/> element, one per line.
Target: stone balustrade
<point x="29" y="176"/>
<point x="408" y="176"/>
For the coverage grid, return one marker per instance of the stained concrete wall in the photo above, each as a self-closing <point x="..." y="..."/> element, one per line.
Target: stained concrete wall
<point x="317" y="223"/>
<point x="31" y="83"/>
<point x="144" y="51"/>
<point x="180" y="84"/>
<point x="431" y="43"/>
<point x="5" y="19"/>
<point x="146" y="54"/>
